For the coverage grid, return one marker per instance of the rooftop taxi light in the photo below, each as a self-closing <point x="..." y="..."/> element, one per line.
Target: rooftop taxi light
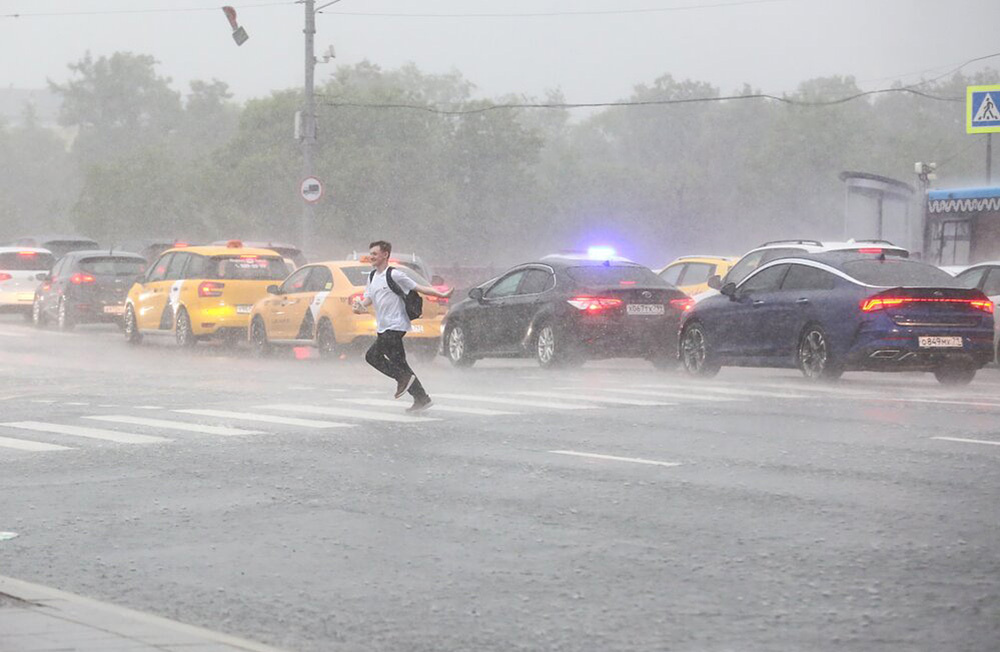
<point x="234" y="244"/>
<point x="600" y="252"/>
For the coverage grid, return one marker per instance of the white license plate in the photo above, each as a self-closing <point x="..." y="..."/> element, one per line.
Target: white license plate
<point x="243" y="310"/>
<point x="644" y="309"/>
<point x="25" y="296"/>
<point x="418" y="328"/>
<point x="114" y="310"/>
<point x="940" y="342"/>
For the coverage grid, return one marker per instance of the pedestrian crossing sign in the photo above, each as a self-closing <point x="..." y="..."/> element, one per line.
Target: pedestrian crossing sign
<point x="982" y="109"/>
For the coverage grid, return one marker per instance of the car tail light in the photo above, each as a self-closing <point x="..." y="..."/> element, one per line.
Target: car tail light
<point x="683" y="304"/>
<point x="439" y="288"/>
<point x="27" y="254"/>
<point x="873" y="304"/>
<point x="870" y="250"/>
<point x="5" y="277"/>
<point x="210" y="289"/>
<point x="593" y="305"/>
<point x="81" y="279"/>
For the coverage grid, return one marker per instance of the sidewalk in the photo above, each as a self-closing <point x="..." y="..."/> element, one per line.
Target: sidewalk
<point x="35" y="618"/>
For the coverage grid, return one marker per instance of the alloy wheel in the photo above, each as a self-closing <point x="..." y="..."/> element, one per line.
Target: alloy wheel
<point x="546" y="346"/>
<point x="326" y="340"/>
<point x="458" y="350"/>
<point x="130" y="327"/>
<point x="813" y="354"/>
<point x="695" y="353"/>
<point x="182" y="330"/>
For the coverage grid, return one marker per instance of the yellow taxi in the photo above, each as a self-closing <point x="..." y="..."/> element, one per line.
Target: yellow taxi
<point x="312" y="307"/>
<point x="690" y="274"/>
<point x="201" y="292"/>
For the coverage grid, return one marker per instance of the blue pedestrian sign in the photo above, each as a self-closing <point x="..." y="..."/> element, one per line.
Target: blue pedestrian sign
<point x="982" y="109"/>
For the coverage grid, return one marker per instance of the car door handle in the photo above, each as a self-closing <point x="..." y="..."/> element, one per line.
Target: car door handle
<point x="758" y="302"/>
<point x="803" y="301"/>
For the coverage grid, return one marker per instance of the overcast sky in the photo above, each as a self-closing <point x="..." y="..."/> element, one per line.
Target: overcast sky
<point x="770" y="44"/>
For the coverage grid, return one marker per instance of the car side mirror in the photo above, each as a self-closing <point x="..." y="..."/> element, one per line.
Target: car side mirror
<point x="273" y="289"/>
<point x="729" y="289"/>
<point x="43" y="276"/>
<point x="476" y="294"/>
<point x="714" y="282"/>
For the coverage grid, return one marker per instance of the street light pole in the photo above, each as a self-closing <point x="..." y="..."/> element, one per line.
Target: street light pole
<point x="308" y="122"/>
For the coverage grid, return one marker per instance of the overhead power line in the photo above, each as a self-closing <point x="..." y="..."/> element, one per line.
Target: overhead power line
<point x="551" y="14"/>
<point x="593" y="105"/>
<point x="162" y="10"/>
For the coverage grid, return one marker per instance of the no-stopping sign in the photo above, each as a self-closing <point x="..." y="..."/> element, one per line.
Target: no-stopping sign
<point x="311" y="190"/>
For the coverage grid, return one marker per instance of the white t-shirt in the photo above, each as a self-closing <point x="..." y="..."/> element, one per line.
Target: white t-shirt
<point x="390" y="311"/>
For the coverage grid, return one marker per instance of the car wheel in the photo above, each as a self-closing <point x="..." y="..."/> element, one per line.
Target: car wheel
<point x="260" y="347"/>
<point x="696" y="356"/>
<point x="457" y="347"/>
<point x="813" y="356"/>
<point x="955" y="374"/>
<point x="551" y="349"/>
<point x="63" y="319"/>
<point x="131" y="327"/>
<point x="182" y="330"/>
<point x="326" y="339"/>
<point x="37" y="314"/>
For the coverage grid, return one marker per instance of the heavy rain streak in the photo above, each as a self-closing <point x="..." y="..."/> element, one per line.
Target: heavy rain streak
<point x="535" y="325"/>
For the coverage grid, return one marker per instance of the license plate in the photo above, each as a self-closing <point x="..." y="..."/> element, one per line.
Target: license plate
<point x="25" y="296"/>
<point x="418" y="328"/>
<point x="644" y="309"/>
<point x="243" y="310"/>
<point x="114" y="310"/>
<point x="940" y="342"/>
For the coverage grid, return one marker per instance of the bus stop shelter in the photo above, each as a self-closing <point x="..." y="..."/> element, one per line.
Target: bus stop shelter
<point x="962" y="226"/>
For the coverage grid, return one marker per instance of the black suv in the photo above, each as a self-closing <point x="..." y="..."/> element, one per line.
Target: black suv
<point x="564" y="310"/>
<point x="86" y="287"/>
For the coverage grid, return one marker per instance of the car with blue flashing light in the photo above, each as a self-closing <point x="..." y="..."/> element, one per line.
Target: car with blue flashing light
<point x="566" y="309"/>
<point x="827" y="313"/>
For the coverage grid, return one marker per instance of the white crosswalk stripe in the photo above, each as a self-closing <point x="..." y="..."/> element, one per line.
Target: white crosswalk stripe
<point x="346" y="413"/>
<point x="172" y="425"/>
<point x="552" y="405"/>
<point x="678" y="396"/>
<point x="597" y="398"/>
<point x="725" y="390"/>
<point x="91" y="433"/>
<point x="384" y="402"/>
<point x="31" y="446"/>
<point x="267" y="418"/>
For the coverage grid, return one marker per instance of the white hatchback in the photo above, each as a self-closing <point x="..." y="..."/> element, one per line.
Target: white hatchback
<point x="20" y="268"/>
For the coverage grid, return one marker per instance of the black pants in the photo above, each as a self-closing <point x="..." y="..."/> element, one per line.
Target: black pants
<point x="388" y="356"/>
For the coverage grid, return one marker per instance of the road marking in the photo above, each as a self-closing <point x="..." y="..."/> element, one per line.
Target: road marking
<point x="335" y="389"/>
<point x="931" y="400"/>
<point x="42" y="400"/>
<point x="380" y="402"/>
<point x="725" y="390"/>
<point x="267" y="418"/>
<point x="76" y="404"/>
<point x="517" y="401"/>
<point x="92" y="433"/>
<point x="675" y="395"/>
<point x="615" y="458"/>
<point x="148" y="407"/>
<point x="968" y="441"/>
<point x="347" y="412"/>
<point x="595" y="398"/>
<point x="34" y="446"/>
<point x="174" y="425"/>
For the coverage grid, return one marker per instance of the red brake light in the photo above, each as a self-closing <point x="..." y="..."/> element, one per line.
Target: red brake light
<point x="872" y="304"/>
<point x="181" y="245"/>
<point x="27" y="254"/>
<point x="683" y="304"/>
<point x="626" y="282"/>
<point x="593" y="305"/>
<point x="5" y="277"/>
<point x="210" y="289"/>
<point x="81" y="279"/>
<point x="870" y="250"/>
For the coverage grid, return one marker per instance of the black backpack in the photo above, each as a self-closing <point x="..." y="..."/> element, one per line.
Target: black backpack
<point x="412" y="300"/>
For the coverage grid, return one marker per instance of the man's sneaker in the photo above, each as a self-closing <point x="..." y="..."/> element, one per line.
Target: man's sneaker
<point x="420" y="406"/>
<point x="404" y="384"/>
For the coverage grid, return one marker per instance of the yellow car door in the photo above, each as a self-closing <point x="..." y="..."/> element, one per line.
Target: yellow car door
<point x="289" y="306"/>
<point x="320" y="286"/>
<point x="150" y="297"/>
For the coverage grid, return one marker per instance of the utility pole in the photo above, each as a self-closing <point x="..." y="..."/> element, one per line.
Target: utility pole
<point x="989" y="159"/>
<point x="308" y="122"/>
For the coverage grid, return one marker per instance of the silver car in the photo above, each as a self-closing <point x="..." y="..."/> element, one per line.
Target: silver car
<point x="20" y="268"/>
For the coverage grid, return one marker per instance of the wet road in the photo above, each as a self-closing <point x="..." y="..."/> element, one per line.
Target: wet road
<point x="612" y="507"/>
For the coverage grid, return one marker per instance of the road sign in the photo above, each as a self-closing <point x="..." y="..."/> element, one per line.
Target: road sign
<point x="311" y="190"/>
<point x="982" y="109"/>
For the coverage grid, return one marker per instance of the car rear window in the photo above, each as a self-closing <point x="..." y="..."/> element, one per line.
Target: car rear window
<point x="598" y="275"/>
<point x="113" y="266"/>
<point x="358" y="276"/>
<point x="893" y="272"/>
<point x="26" y="260"/>
<point x="247" y="267"/>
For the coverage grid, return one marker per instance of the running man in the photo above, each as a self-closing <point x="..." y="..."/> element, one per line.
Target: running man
<point x="392" y="323"/>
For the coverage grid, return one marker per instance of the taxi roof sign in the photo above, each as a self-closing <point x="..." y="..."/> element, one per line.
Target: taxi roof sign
<point x="982" y="109"/>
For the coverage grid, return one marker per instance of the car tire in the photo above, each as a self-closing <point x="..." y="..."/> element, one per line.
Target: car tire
<point x="38" y="317"/>
<point x="955" y="374"/>
<point x="64" y="321"/>
<point x="260" y="346"/>
<point x="182" y="330"/>
<point x="456" y="347"/>
<point x="326" y="339"/>
<point x="695" y="352"/>
<point x="813" y="358"/>
<point x="552" y="351"/>
<point x="130" y="327"/>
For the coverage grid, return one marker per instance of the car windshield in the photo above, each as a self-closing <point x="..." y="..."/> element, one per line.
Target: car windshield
<point x="247" y="267"/>
<point x="598" y="275"/>
<point x="113" y="266"/>
<point x="26" y="260"/>
<point x="358" y="276"/>
<point x="894" y="272"/>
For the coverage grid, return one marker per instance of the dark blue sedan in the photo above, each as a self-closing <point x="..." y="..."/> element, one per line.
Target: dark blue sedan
<point x="827" y="313"/>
